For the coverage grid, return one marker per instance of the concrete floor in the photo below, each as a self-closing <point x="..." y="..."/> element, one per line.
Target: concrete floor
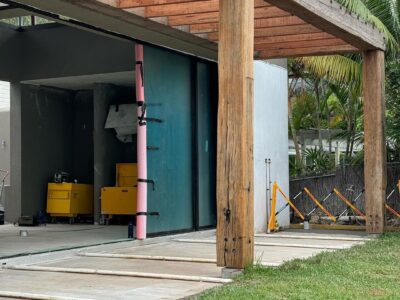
<point x="55" y="236"/>
<point x="287" y="245"/>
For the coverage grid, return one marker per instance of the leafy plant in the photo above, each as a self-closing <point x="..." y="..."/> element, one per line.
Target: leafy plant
<point x="317" y="160"/>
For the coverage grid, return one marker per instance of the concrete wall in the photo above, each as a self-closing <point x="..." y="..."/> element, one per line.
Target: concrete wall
<point x="10" y="54"/>
<point x="72" y="52"/>
<point x="56" y="135"/>
<point x="5" y="142"/>
<point x="82" y="146"/>
<point x="46" y="142"/>
<point x="58" y="51"/>
<point x="270" y="136"/>
<point x="13" y="199"/>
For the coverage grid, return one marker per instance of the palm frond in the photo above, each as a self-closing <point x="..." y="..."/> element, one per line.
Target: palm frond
<point x="335" y="68"/>
<point x="382" y="14"/>
<point x="387" y="11"/>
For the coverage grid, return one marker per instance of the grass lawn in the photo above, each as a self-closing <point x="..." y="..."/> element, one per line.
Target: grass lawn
<point x="370" y="271"/>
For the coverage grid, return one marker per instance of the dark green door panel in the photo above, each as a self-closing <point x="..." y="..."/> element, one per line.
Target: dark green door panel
<point x="206" y="146"/>
<point x="168" y="94"/>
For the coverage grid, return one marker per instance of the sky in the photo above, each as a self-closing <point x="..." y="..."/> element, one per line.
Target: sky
<point x="4" y="94"/>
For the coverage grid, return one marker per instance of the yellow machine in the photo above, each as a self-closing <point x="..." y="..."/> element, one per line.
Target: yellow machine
<point x="69" y="200"/>
<point x="118" y="200"/>
<point x="126" y="175"/>
<point x="121" y="199"/>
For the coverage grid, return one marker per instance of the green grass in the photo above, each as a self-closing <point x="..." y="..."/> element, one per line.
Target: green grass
<point x="370" y="271"/>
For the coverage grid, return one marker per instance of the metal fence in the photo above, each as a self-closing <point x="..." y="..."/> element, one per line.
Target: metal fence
<point x="349" y="180"/>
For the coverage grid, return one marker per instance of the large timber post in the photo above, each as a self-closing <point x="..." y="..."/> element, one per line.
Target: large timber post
<point x="374" y="141"/>
<point x="235" y="228"/>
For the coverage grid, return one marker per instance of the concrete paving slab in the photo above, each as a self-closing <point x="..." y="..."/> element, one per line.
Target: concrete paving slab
<point x="56" y="236"/>
<point x="262" y="253"/>
<point x="97" y="286"/>
<point x="332" y="233"/>
<point x="289" y="244"/>
<point x="315" y="237"/>
<point x="148" y="266"/>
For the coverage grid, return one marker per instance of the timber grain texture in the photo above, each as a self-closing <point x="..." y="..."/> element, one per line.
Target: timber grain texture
<point x="235" y="228"/>
<point x="332" y="18"/>
<point x="374" y="140"/>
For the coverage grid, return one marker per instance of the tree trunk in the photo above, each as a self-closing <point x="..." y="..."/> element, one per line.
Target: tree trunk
<point x="299" y="160"/>
<point x="316" y="87"/>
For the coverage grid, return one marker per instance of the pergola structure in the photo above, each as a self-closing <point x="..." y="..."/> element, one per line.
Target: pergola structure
<point x="236" y="32"/>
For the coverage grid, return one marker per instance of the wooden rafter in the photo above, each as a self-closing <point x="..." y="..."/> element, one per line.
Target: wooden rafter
<point x="258" y="23"/>
<point x="298" y="27"/>
<point x="282" y="27"/>
<point x="330" y="17"/>
<point x="212" y="17"/>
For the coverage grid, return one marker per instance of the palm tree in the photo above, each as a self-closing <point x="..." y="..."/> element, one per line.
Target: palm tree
<point x="345" y="71"/>
<point x="295" y="74"/>
<point x="384" y="15"/>
<point x="349" y="107"/>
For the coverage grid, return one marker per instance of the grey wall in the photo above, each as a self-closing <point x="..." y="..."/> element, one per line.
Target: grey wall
<point x="46" y="142"/>
<point x="56" y="135"/>
<point x="72" y="52"/>
<point x="5" y="142"/>
<point x="13" y="200"/>
<point x="82" y="145"/>
<point x="270" y="137"/>
<point x="58" y="51"/>
<point x="10" y="54"/>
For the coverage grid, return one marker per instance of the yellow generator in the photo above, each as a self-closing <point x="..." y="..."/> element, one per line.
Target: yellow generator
<point x="69" y="200"/>
<point x="121" y="199"/>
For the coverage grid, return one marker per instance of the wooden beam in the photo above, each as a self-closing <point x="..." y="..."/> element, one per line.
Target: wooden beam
<point x="235" y="208"/>
<point x="166" y="3"/>
<point x="127" y="25"/>
<point x="330" y="17"/>
<point x="374" y="140"/>
<point x="258" y="23"/>
<point x="142" y="3"/>
<point x="212" y="17"/>
<point x="307" y="51"/>
<point x="181" y="9"/>
<point x="275" y="31"/>
<point x="300" y="44"/>
<point x="293" y="38"/>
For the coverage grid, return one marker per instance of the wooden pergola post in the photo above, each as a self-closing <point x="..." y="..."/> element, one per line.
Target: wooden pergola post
<point x="374" y="141"/>
<point x="235" y="228"/>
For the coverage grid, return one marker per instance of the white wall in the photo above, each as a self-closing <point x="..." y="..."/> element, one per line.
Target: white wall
<point x="5" y="128"/>
<point x="4" y="95"/>
<point x="4" y="142"/>
<point x="270" y="136"/>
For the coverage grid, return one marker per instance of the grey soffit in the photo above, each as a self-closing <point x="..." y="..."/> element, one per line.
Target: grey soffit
<point x="86" y="82"/>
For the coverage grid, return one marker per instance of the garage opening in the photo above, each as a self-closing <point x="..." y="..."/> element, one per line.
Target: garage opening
<point x="65" y="85"/>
